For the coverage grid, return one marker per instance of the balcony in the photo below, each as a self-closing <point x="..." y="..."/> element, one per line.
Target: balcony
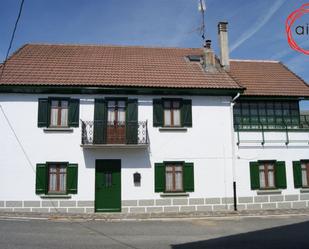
<point x="283" y="129"/>
<point x="100" y="134"/>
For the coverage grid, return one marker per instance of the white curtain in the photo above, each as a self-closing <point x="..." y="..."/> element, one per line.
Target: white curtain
<point x="178" y="178"/>
<point x="262" y="177"/>
<point x="177" y="117"/>
<point x="52" y="179"/>
<point x="111" y="111"/>
<point x="271" y="180"/>
<point x="304" y="175"/>
<point x="54" y="113"/>
<point x="64" y="113"/>
<point x="167" y="117"/>
<point x="168" y="179"/>
<point x="63" y="179"/>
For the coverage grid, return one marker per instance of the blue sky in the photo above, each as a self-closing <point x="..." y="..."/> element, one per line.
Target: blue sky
<point x="256" y="28"/>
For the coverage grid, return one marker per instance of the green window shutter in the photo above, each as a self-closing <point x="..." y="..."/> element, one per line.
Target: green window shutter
<point x="157" y="113"/>
<point x="132" y="122"/>
<point x="186" y="113"/>
<point x="41" y="179"/>
<point x="100" y="121"/>
<point x="280" y="175"/>
<point x="74" y="113"/>
<point x="72" y="178"/>
<point x="254" y="175"/>
<point x="188" y="177"/>
<point x="297" y="174"/>
<point x="43" y="113"/>
<point x="159" y="177"/>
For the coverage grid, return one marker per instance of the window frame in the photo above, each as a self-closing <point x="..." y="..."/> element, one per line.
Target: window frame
<point x="265" y="164"/>
<point x="116" y="107"/>
<point x="57" y="164"/>
<point x="174" y="164"/>
<point x="171" y="100"/>
<point x="269" y="114"/>
<point x="59" y="99"/>
<point x="306" y="162"/>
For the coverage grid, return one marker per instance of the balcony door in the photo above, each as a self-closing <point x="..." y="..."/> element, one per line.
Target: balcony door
<point x="116" y="122"/>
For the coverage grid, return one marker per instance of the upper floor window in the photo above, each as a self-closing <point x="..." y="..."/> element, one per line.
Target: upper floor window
<point x="172" y="112"/>
<point x="58" y="112"/>
<point x="266" y="114"/>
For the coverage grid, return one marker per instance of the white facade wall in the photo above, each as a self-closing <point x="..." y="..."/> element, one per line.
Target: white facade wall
<point x="207" y="144"/>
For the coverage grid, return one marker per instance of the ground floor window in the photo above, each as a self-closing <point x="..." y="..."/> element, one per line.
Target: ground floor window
<point x="305" y="173"/>
<point x="301" y="173"/>
<point x="56" y="178"/>
<point x="174" y="177"/>
<point x="267" y="174"/>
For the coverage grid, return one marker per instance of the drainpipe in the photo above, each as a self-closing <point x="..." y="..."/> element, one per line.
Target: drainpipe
<point x="233" y="151"/>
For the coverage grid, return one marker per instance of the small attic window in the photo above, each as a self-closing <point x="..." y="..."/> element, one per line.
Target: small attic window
<point x="194" y="58"/>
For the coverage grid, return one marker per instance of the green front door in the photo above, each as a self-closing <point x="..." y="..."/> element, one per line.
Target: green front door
<point x="108" y="186"/>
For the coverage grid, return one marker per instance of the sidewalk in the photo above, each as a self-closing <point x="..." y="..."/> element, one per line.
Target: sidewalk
<point x="151" y="216"/>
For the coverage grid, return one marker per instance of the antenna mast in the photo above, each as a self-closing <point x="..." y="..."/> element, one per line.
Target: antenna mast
<point x="202" y="9"/>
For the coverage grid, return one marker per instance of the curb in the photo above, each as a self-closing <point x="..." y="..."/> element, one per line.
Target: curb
<point x="151" y="216"/>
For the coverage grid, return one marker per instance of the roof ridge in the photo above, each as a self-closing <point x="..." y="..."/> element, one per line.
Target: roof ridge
<point x="248" y="60"/>
<point x="107" y="45"/>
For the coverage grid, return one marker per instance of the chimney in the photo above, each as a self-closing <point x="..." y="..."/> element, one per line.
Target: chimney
<point x="209" y="60"/>
<point x="224" y="45"/>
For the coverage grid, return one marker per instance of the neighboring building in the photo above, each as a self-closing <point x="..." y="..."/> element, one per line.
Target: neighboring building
<point x="133" y="129"/>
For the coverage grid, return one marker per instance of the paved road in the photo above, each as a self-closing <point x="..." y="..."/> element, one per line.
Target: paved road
<point x="231" y="233"/>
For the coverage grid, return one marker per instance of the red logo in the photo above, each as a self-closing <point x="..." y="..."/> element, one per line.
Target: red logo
<point x="304" y="9"/>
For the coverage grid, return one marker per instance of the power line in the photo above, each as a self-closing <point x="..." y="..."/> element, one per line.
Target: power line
<point x="12" y="37"/>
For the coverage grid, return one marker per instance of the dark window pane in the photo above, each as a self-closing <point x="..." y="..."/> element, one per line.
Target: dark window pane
<point x="270" y="108"/>
<point x="278" y="108"/>
<point x="262" y="109"/>
<point x="253" y="109"/>
<point x="286" y="108"/>
<point x="245" y="109"/>
<point x="237" y="109"/>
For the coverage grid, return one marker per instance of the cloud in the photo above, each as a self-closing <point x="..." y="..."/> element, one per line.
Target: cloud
<point x="258" y="24"/>
<point x="287" y="52"/>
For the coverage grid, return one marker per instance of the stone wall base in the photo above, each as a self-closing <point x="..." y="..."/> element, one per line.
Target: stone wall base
<point x="164" y="205"/>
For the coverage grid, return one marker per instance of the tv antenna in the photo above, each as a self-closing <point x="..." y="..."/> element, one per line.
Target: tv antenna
<point x="202" y="9"/>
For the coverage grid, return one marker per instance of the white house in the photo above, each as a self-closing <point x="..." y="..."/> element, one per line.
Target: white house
<point x="133" y="129"/>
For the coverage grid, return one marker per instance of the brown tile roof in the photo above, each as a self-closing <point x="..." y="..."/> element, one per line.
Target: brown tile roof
<point x="270" y="78"/>
<point x="90" y="65"/>
<point x="97" y="65"/>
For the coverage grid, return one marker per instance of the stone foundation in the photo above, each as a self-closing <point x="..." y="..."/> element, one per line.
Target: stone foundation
<point x="164" y="205"/>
